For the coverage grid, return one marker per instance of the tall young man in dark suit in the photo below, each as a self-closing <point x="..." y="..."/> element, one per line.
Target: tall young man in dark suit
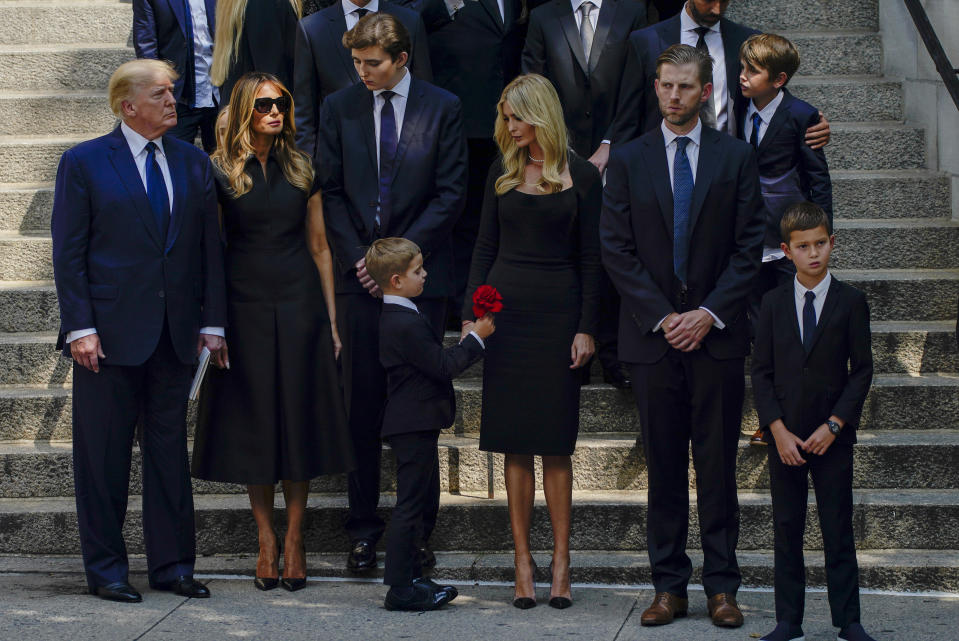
<point x="581" y="47"/>
<point x="479" y="43"/>
<point x="181" y="31"/>
<point x="393" y="163"/>
<point x="322" y="65"/>
<point x="681" y="235"/>
<point x="138" y="267"/>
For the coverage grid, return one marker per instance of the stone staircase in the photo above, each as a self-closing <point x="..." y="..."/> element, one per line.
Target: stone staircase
<point x="896" y="240"/>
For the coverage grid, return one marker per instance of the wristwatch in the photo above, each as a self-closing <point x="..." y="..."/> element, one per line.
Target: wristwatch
<point x="834" y="427"/>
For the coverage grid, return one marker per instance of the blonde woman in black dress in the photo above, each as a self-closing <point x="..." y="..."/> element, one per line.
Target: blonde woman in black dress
<point x="538" y="245"/>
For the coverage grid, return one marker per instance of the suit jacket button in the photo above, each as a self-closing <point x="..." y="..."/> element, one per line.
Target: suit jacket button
<point x="374" y="203"/>
<point x="587" y="114"/>
<point x="161" y="294"/>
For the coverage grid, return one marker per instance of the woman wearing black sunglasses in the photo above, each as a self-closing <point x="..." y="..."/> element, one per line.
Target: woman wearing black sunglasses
<point x="276" y="413"/>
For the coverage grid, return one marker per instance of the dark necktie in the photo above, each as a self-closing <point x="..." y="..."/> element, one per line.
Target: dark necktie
<point x="808" y="321"/>
<point x="757" y="121"/>
<point x="388" y="142"/>
<point x="361" y="12"/>
<point x="156" y="191"/>
<point x="706" y="112"/>
<point x="682" y="198"/>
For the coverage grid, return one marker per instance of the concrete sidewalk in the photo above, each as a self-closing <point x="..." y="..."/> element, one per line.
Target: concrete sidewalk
<point x="55" y="606"/>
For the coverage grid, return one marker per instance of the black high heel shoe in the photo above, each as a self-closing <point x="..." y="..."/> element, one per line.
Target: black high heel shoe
<point x="269" y="583"/>
<point x="525" y="602"/>
<point x="558" y="602"/>
<point x="292" y="584"/>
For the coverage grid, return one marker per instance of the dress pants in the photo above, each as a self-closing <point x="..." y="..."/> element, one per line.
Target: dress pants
<point x="364" y="388"/>
<point x="189" y="120"/>
<point x="607" y="331"/>
<point x="691" y="397"/>
<point x="106" y="407"/>
<point x="771" y="275"/>
<point x="832" y="480"/>
<point x="416" y="460"/>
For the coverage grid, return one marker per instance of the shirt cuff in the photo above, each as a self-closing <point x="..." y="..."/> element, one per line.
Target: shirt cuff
<point x="659" y="325"/>
<point x="452" y="6"/>
<point x="213" y="331"/>
<point x="78" y="333"/>
<point x="478" y="339"/>
<point x="718" y="323"/>
<point x="606" y="142"/>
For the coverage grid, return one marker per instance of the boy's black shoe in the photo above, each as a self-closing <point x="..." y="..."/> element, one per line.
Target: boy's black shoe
<point x="451" y="590"/>
<point x="854" y="632"/>
<point x="362" y="557"/>
<point x="785" y="632"/>
<point x="423" y="598"/>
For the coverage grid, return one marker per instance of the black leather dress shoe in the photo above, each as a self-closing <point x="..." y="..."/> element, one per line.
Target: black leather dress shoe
<point x="184" y="586"/>
<point x="424" y="598"/>
<point x="121" y="591"/>
<point x="427" y="558"/>
<point x="449" y="589"/>
<point x="617" y="377"/>
<point x="362" y="557"/>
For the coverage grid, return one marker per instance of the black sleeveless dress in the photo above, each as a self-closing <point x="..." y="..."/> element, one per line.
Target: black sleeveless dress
<point x="542" y="253"/>
<point x="277" y="413"/>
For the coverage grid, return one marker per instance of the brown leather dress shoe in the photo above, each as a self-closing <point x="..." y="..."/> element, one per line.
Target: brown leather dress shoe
<point x="664" y="609"/>
<point x="723" y="611"/>
<point x="757" y="438"/>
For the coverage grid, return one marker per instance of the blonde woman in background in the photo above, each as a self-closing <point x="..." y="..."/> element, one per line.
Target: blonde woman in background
<point x="253" y="35"/>
<point x="538" y="245"/>
<point x="276" y="414"/>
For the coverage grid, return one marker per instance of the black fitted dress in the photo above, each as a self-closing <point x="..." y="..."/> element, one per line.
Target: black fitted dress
<point x="266" y="44"/>
<point x="277" y="413"/>
<point x="542" y="253"/>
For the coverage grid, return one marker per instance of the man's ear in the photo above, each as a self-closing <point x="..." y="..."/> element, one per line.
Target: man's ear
<point x="403" y="58"/>
<point x="707" y="92"/>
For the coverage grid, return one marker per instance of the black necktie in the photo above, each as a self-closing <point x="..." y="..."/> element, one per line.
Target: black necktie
<point x="706" y="112"/>
<point x="808" y="321"/>
<point x="157" y="192"/>
<point x="361" y="12"/>
<point x="388" y="142"/>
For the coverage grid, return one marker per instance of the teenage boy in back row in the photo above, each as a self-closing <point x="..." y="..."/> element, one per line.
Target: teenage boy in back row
<point x="774" y="123"/>
<point x="812" y="367"/>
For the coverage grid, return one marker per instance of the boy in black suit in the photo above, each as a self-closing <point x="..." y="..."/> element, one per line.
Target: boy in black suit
<point x="420" y="403"/>
<point x="774" y="122"/>
<point x="809" y="402"/>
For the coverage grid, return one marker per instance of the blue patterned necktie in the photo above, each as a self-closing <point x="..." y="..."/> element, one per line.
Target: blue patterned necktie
<point x="682" y="198"/>
<point x="808" y="321"/>
<point x="388" y="142"/>
<point x="157" y="191"/>
<point x="757" y="121"/>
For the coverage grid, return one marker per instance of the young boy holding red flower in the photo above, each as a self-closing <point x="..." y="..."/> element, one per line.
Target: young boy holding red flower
<point x="420" y="403"/>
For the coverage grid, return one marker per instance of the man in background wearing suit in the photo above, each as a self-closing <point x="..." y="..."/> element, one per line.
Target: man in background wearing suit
<point x="139" y="269"/>
<point x="581" y="47"/>
<point x="700" y="24"/>
<point x="393" y="163"/>
<point x="681" y="234"/>
<point x="181" y="31"/>
<point x="322" y="65"/>
<point x="476" y="46"/>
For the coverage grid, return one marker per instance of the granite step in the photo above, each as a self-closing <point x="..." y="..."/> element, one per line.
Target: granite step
<point x="795" y="16"/>
<point x="28" y="23"/>
<point x="851" y="98"/>
<point x="882" y="519"/>
<point x="57" y="113"/>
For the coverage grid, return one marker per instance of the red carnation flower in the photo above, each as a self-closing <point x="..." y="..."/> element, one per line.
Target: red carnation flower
<point x="486" y="300"/>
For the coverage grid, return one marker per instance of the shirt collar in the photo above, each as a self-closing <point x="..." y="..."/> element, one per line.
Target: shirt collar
<point x="819" y="290"/>
<point x="402" y="301"/>
<point x="688" y="24"/>
<point x="138" y="143"/>
<point x="349" y="7"/>
<point x="577" y="3"/>
<point x="694" y="136"/>
<point x="767" y="112"/>
<point x="402" y="88"/>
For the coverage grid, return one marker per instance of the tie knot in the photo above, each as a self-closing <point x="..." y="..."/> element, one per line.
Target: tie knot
<point x="586" y="8"/>
<point x="681" y="143"/>
<point x="757" y="118"/>
<point x="152" y="147"/>
<point x="810" y="296"/>
<point x="361" y="12"/>
<point x="388" y="95"/>
<point x="702" y="31"/>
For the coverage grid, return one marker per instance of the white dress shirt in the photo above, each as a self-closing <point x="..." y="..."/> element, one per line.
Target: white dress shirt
<point x="138" y="148"/>
<point x="765" y="115"/>
<point x="819" y="290"/>
<point x="455" y="5"/>
<point x="692" y="153"/>
<point x="349" y="11"/>
<point x="205" y="94"/>
<point x="402" y="91"/>
<point x="406" y="302"/>
<point x="714" y="41"/>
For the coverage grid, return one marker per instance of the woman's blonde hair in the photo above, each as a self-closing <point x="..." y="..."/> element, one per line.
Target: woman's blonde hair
<point x="230" y="17"/>
<point x="235" y="150"/>
<point x="534" y="101"/>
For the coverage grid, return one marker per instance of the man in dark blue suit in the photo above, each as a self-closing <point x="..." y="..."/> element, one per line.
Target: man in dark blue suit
<point x="393" y="163"/>
<point x="181" y="31"/>
<point x="139" y="274"/>
<point x="322" y="64"/>
<point x="681" y="233"/>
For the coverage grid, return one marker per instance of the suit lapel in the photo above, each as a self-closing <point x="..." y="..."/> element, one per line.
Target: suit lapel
<point x="705" y="168"/>
<point x="731" y="51"/>
<point x="832" y="300"/>
<point x="337" y="29"/>
<point x="178" y="174"/>
<point x="787" y="305"/>
<point x="493" y="9"/>
<point x="776" y="122"/>
<point x="126" y="168"/>
<point x="568" y="24"/>
<point x="413" y="121"/>
<point x="670" y="32"/>
<point x="654" y="151"/>
<point x="607" y="14"/>
<point x="179" y="10"/>
<point x="211" y="16"/>
<point x="369" y="128"/>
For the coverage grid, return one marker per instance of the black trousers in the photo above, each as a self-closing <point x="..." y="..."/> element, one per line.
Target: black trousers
<point x="771" y="275"/>
<point x="364" y="387"/>
<point x="189" y="120"/>
<point x="607" y="331"/>
<point x="832" y="480"/>
<point x="416" y="462"/>
<point x="683" y="398"/>
<point x="106" y="407"/>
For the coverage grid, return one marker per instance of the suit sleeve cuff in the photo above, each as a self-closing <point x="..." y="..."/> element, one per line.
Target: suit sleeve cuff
<point x="213" y="331"/>
<point x="659" y="325"/>
<point x="79" y="333"/>
<point x="718" y="323"/>
<point x="478" y="339"/>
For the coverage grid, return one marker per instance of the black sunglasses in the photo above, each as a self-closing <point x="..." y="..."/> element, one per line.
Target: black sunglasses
<point x="265" y="105"/>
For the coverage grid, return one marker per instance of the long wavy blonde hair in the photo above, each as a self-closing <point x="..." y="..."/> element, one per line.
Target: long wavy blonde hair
<point x="534" y="101"/>
<point x="230" y="17"/>
<point x="236" y="148"/>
